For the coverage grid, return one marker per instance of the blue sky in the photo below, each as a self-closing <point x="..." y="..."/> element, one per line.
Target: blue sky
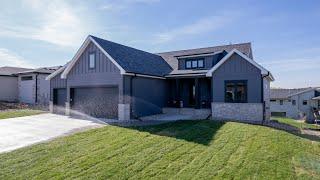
<point x="284" y="34"/>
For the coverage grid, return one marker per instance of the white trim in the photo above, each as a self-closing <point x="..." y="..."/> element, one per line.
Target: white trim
<point x="224" y="59"/>
<point x="198" y="55"/>
<point x="122" y="71"/>
<point x="143" y="75"/>
<point x="186" y="75"/>
<point x="79" y="53"/>
<point x="52" y="75"/>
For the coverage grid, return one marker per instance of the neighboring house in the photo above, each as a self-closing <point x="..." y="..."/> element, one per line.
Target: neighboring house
<point x="33" y="86"/>
<point x="9" y="83"/>
<point x="110" y="80"/>
<point x="25" y="85"/>
<point x="295" y="103"/>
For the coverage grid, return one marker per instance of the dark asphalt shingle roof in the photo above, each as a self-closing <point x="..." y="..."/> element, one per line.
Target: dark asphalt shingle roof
<point x="137" y="61"/>
<point x="44" y="70"/>
<point x="278" y="93"/>
<point x="171" y="57"/>
<point x="133" y="60"/>
<point x="10" y="71"/>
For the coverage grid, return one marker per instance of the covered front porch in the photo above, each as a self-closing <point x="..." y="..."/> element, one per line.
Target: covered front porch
<point x="190" y="92"/>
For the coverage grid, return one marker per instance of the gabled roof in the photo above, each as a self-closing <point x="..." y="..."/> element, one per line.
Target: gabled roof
<point x="280" y="93"/>
<point x="172" y="57"/>
<point x="132" y="61"/>
<point x="306" y="90"/>
<point x="43" y="70"/>
<point x="235" y="51"/>
<point x="58" y="71"/>
<point x="11" y="71"/>
<point x="127" y="59"/>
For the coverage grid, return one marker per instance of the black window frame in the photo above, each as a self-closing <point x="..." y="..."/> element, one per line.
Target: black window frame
<point x="281" y="102"/>
<point x="305" y="102"/>
<point x="192" y="61"/>
<point x="94" y="60"/>
<point x="294" y="102"/>
<point x="26" y="78"/>
<point x="245" y="82"/>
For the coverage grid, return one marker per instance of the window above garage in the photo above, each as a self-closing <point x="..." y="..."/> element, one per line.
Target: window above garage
<point x="26" y="78"/>
<point x="92" y="60"/>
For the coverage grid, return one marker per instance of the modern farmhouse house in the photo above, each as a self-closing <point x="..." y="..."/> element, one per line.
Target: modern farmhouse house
<point x="110" y="80"/>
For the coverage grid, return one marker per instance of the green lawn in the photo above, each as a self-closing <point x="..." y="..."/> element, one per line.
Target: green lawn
<point x="295" y="123"/>
<point x="180" y="150"/>
<point x="18" y="113"/>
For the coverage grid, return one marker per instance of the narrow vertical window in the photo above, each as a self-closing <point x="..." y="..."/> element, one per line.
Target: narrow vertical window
<point x="281" y="102"/>
<point x="92" y="60"/>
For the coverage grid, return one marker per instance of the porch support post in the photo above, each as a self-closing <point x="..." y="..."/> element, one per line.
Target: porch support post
<point x="197" y="93"/>
<point x="177" y="92"/>
<point x="67" y="105"/>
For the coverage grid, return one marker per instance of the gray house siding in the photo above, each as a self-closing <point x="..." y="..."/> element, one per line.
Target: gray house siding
<point x="57" y="83"/>
<point x="237" y="68"/>
<point x="9" y="88"/>
<point x="149" y="96"/>
<point x="104" y="73"/>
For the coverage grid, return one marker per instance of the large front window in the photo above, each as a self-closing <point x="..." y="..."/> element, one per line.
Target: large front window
<point x="236" y="91"/>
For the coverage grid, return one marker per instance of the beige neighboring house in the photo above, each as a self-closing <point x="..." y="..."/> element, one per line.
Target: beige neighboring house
<point x="295" y="103"/>
<point x="25" y="85"/>
<point x="9" y="83"/>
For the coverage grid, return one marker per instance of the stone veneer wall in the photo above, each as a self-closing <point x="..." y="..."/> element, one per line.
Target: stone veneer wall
<point x="237" y="111"/>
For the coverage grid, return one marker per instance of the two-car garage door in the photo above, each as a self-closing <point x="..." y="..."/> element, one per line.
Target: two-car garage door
<point x="101" y="102"/>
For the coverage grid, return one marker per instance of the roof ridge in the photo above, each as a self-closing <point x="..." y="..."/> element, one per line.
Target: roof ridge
<point x="125" y="45"/>
<point x="175" y="51"/>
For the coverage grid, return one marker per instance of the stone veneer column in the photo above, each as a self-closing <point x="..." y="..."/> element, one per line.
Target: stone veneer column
<point x="124" y="112"/>
<point x="51" y="106"/>
<point x="67" y="109"/>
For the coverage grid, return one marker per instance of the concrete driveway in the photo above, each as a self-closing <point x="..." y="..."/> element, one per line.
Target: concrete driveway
<point x="23" y="131"/>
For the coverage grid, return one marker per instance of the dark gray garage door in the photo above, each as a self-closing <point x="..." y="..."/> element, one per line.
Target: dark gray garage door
<point x="97" y="102"/>
<point x="59" y="100"/>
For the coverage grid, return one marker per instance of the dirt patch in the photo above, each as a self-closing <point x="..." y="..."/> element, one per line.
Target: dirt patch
<point x="4" y="106"/>
<point x="8" y="106"/>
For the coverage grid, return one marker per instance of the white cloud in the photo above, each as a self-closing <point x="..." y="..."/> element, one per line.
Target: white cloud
<point x="52" y="21"/>
<point x="11" y="59"/>
<point x="120" y="5"/>
<point x="204" y="25"/>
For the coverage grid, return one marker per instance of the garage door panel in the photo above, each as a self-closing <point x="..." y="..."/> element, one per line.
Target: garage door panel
<point x="26" y="91"/>
<point x="96" y="102"/>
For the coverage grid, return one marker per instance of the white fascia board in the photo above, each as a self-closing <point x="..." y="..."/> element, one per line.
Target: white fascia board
<point x="225" y="58"/>
<point x="122" y="71"/>
<point x="79" y="53"/>
<point x="54" y="74"/>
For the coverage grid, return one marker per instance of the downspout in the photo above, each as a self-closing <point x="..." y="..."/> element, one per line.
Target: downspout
<point x="262" y="98"/>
